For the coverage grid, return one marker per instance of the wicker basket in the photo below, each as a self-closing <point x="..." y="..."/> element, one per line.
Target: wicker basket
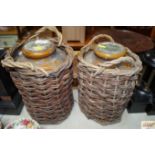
<point x="105" y="88"/>
<point x="47" y="95"/>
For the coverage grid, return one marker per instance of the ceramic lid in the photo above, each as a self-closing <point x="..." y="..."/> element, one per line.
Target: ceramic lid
<point x="93" y="59"/>
<point x="109" y="50"/>
<point x="38" y="48"/>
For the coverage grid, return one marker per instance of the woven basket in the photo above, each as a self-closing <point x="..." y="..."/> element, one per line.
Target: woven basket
<point x="105" y="89"/>
<point x="47" y="95"/>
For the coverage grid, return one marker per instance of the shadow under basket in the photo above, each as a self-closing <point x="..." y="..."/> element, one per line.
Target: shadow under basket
<point x="47" y="95"/>
<point x="105" y="87"/>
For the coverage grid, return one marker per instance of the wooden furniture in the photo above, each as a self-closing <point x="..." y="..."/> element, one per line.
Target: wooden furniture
<point x="152" y="35"/>
<point x="10" y="100"/>
<point x="12" y="30"/>
<point x="73" y="33"/>
<point x="8" y="36"/>
<point x="137" y="42"/>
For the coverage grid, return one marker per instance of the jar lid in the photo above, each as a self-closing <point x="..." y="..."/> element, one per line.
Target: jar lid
<point x="109" y="50"/>
<point x="38" y="48"/>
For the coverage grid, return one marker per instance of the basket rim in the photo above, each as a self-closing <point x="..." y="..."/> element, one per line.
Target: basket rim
<point x="20" y="66"/>
<point x="103" y="69"/>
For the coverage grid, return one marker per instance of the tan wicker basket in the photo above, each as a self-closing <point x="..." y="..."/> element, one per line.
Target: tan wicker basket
<point x="46" y="94"/>
<point x="105" y="88"/>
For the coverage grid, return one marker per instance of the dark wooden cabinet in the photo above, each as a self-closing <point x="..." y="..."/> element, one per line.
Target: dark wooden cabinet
<point x="10" y="99"/>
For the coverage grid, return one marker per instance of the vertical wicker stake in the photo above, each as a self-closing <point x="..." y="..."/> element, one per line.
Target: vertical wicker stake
<point x="47" y="95"/>
<point x="105" y="96"/>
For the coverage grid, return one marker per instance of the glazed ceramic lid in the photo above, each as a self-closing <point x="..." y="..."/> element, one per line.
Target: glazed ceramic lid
<point x="38" y="48"/>
<point x="23" y="123"/>
<point x="92" y="58"/>
<point x="109" y="50"/>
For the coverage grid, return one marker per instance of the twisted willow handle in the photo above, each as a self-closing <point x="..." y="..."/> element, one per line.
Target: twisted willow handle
<point x="9" y="62"/>
<point x="92" y="43"/>
<point x="41" y="30"/>
<point x="100" y="36"/>
<point x="50" y="28"/>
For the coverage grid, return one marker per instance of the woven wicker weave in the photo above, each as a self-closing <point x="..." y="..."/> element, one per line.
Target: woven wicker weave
<point x="105" y="89"/>
<point x="47" y="95"/>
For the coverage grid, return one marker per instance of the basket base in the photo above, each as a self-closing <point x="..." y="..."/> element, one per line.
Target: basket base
<point x="107" y="122"/>
<point x="100" y="121"/>
<point x="51" y="119"/>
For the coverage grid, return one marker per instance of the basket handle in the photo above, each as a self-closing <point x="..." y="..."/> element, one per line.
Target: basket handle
<point x="132" y="59"/>
<point x="100" y="36"/>
<point x="50" y="28"/>
<point x="126" y="59"/>
<point x="9" y="62"/>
